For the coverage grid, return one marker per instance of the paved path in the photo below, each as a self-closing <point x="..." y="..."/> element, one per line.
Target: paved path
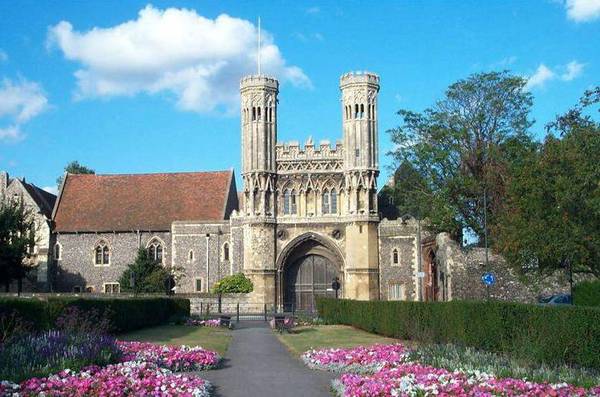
<point x="257" y="364"/>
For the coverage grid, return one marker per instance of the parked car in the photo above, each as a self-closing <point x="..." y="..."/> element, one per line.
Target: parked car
<point x="558" y="299"/>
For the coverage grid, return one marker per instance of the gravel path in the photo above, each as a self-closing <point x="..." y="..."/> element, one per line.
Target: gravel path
<point x="257" y="364"/>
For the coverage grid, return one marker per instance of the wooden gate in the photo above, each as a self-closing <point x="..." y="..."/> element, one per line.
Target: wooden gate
<point x="309" y="277"/>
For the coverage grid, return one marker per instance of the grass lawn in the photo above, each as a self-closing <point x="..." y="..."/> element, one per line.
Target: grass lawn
<point x="305" y="338"/>
<point x="216" y="339"/>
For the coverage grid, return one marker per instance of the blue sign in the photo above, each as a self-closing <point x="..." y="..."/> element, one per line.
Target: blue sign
<point x="488" y="278"/>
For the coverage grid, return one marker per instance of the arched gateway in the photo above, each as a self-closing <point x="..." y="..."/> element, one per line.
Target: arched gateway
<point x="307" y="267"/>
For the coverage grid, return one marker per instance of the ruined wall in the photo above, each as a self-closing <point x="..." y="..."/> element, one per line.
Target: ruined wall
<point x="466" y="267"/>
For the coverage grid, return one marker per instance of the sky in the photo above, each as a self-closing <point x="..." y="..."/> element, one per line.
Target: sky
<point x="137" y="87"/>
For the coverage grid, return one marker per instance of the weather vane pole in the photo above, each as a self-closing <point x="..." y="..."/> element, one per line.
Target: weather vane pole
<point x="258" y="54"/>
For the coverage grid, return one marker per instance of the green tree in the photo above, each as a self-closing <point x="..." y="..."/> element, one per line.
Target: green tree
<point x="17" y="239"/>
<point x="463" y="146"/>
<point x="407" y="194"/>
<point x="552" y="213"/>
<point x="234" y="284"/>
<point x="149" y="275"/>
<point x="74" y="168"/>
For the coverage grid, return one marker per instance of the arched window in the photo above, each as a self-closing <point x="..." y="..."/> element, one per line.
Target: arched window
<point x="289" y="202"/>
<point x="333" y="201"/>
<point x="325" y="202"/>
<point x="191" y="256"/>
<point x="57" y="251"/>
<point x="155" y="250"/>
<point x="395" y="257"/>
<point x="362" y="111"/>
<point x="356" y="111"/>
<point x="258" y="112"/>
<point x="226" y="251"/>
<point x="253" y="113"/>
<point x="102" y="254"/>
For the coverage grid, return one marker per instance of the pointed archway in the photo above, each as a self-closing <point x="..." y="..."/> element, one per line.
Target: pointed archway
<point x="306" y="268"/>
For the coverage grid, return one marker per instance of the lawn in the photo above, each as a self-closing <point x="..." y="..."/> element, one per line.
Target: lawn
<point x="315" y="337"/>
<point x="216" y="339"/>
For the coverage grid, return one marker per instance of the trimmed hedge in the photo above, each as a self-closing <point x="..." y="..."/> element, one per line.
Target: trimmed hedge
<point x="587" y="293"/>
<point x="125" y="314"/>
<point x="541" y="334"/>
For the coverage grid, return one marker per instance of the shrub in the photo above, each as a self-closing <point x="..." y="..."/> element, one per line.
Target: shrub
<point x="122" y="314"/>
<point x="552" y="335"/>
<point x="587" y="293"/>
<point x="236" y="284"/>
<point x="32" y="355"/>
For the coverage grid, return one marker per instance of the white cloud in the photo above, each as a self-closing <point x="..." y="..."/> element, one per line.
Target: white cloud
<point x="583" y="10"/>
<point x="3" y="56"/>
<point x="177" y="51"/>
<point x="573" y="70"/>
<point x="313" y="10"/>
<point x="20" y="101"/>
<point x="51" y="189"/>
<point x="12" y="133"/>
<point x="542" y="75"/>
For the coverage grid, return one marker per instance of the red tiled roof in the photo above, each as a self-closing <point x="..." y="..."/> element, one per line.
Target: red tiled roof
<point x="94" y="203"/>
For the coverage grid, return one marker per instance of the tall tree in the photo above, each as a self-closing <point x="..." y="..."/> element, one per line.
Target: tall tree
<point x="74" y="168"/>
<point x="148" y="275"/>
<point x="463" y="147"/>
<point x="552" y="214"/>
<point x="17" y="239"/>
<point x="408" y="194"/>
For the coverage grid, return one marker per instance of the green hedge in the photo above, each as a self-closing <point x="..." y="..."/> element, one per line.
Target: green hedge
<point x="541" y="334"/>
<point x="587" y="293"/>
<point x="125" y="314"/>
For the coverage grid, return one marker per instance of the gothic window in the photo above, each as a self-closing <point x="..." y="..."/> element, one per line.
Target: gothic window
<point x="226" y="251"/>
<point x="325" y="202"/>
<point x="258" y="113"/>
<point x="333" y="201"/>
<point x="253" y="113"/>
<point x="356" y="111"/>
<point x="102" y="254"/>
<point x="289" y="202"/>
<point x="57" y="251"/>
<point x="362" y="111"/>
<point x="155" y="250"/>
<point x="395" y="257"/>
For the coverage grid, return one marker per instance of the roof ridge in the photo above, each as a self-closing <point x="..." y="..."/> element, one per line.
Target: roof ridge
<point x="157" y="173"/>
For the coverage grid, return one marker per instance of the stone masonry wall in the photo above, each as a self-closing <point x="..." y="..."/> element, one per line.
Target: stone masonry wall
<point x="467" y="266"/>
<point x="403" y="237"/>
<point x="77" y="267"/>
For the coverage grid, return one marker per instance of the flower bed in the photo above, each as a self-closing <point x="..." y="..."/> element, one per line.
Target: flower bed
<point x="203" y="323"/>
<point x="359" y="359"/>
<point x="175" y="358"/>
<point x="386" y="370"/>
<point x="412" y="379"/>
<point x="125" y="379"/>
<point x="41" y="354"/>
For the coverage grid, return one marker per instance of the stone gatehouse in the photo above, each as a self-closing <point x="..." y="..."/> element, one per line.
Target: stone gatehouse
<point x="304" y="216"/>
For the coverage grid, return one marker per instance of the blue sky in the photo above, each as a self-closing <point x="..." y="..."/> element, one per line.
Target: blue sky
<point x="128" y="87"/>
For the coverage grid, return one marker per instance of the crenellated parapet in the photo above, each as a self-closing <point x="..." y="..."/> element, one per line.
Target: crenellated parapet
<point x="293" y="158"/>
<point x="293" y="151"/>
